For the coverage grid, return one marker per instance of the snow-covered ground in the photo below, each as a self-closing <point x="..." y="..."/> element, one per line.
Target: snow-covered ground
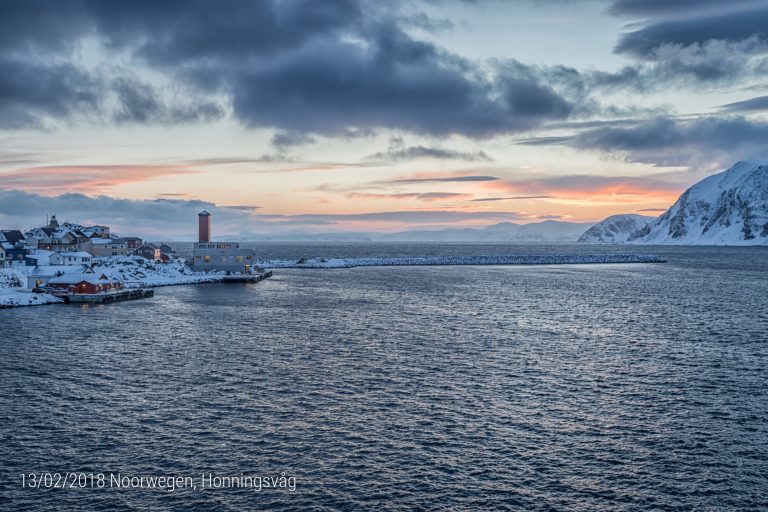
<point x="13" y="292"/>
<point x="137" y="271"/>
<point x="562" y="259"/>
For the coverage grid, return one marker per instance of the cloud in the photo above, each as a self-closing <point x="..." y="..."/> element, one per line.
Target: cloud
<point x="407" y="217"/>
<point x="32" y="92"/>
<point x="651" y="210"/>
<point x="757" y="104"/>
<point x="140" y="103"/>
<point x="746" y="26"/>
<point x="284" y="139"/>
<point x="589" y="188"/>
<point x="510" y="198"/>
<point x="425" y="196"/>
<point x="676" y="8"/>
<point x="711" y="142"/>
<point x="84" y="178"/>
<point x="300" y="67"/>
<point x="150" y="217"/>
<point x="398" y="151"/>
<point x="246" y="208"/>
<point x="446" y="179"/>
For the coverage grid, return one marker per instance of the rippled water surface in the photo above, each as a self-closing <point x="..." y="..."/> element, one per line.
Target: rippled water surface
<point x="601" y="387"/>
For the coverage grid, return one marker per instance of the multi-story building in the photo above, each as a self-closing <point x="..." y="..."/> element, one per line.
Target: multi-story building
<point x="211" y="256"/>
<point x="70" y="258"/>
<point x="108" y="247"/>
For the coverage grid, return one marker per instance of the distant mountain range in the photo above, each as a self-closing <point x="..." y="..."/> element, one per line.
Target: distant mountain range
<point x="546" y="231"/>
<point x="729" y="208"/>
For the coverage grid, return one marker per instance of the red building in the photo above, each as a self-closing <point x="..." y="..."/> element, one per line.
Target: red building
<point x="86" y="283"/>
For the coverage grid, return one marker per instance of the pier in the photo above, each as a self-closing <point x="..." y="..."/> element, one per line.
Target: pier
<point x="246" y="278"/>
<point x="107" y="298"/>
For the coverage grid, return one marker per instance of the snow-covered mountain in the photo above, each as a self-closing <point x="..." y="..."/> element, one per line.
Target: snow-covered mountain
<point x="729" y="208"/>
<point x="615" y="229"/>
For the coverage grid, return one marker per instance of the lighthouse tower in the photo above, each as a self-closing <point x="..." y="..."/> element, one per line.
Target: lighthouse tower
<point x="204" y="227"/>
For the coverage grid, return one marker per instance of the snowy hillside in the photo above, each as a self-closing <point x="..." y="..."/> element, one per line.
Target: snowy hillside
<point x="135" y="270"/>
<point x="13" y="292"/>
<point x="729" y="208"/>
<point x="615" y="229"/>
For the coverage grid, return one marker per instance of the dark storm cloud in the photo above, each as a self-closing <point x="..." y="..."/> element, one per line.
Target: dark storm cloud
<point x="299" y="66"/>
<point x="397" y="83"/>
<point x="747" y="26"/>
<point x="661" y="8"/>
<point x="31" y="92"/>
<point x="706" y="141"/>
<point x="140" y="103"/>
<point x="664" y="133"/>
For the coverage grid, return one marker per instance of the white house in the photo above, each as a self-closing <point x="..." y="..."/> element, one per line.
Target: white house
<point x="40" y="256"/>
<point x="70" y="258"/>
<point x="2" y="256"/>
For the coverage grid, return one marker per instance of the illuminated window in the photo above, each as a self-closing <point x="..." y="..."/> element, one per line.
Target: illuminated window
<point x="239" y="259"/>
<point x="206" y="259"/>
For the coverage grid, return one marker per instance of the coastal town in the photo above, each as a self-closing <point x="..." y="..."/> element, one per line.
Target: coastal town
<point x="71" y="262"/>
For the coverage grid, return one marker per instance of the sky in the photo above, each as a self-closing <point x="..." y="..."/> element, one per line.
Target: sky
<point x="291" y="116"/>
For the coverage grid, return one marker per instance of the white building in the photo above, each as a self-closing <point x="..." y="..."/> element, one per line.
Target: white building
<point x="222" y="256"/>
<point x="40" y="256"/>
<point x="2" y="256"/>
<point x="208" y="256"/>
<point x="70" y="258"/>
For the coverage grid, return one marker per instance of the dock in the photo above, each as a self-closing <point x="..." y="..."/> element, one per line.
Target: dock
<point x="246" y="278"/>
<point x="107" y="298"/>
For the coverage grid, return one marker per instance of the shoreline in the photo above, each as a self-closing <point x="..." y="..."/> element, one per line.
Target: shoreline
<point x="509" y="260"/>
<point x="151" y="277"/>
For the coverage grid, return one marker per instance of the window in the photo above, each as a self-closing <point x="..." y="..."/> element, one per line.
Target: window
<point x="238" y="259"/>
<point x="207" y="259"/>
<point x="222" y="258"/>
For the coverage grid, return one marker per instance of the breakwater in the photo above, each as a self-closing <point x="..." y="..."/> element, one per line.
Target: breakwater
<point x="549" y="259"/>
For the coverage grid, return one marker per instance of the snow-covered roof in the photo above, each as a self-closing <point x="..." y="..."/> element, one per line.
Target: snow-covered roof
<point x="104" y="241"/>
<point x="87" y="277"/>
<point x="52" y="270"/>
<point x="76" y="254"/>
